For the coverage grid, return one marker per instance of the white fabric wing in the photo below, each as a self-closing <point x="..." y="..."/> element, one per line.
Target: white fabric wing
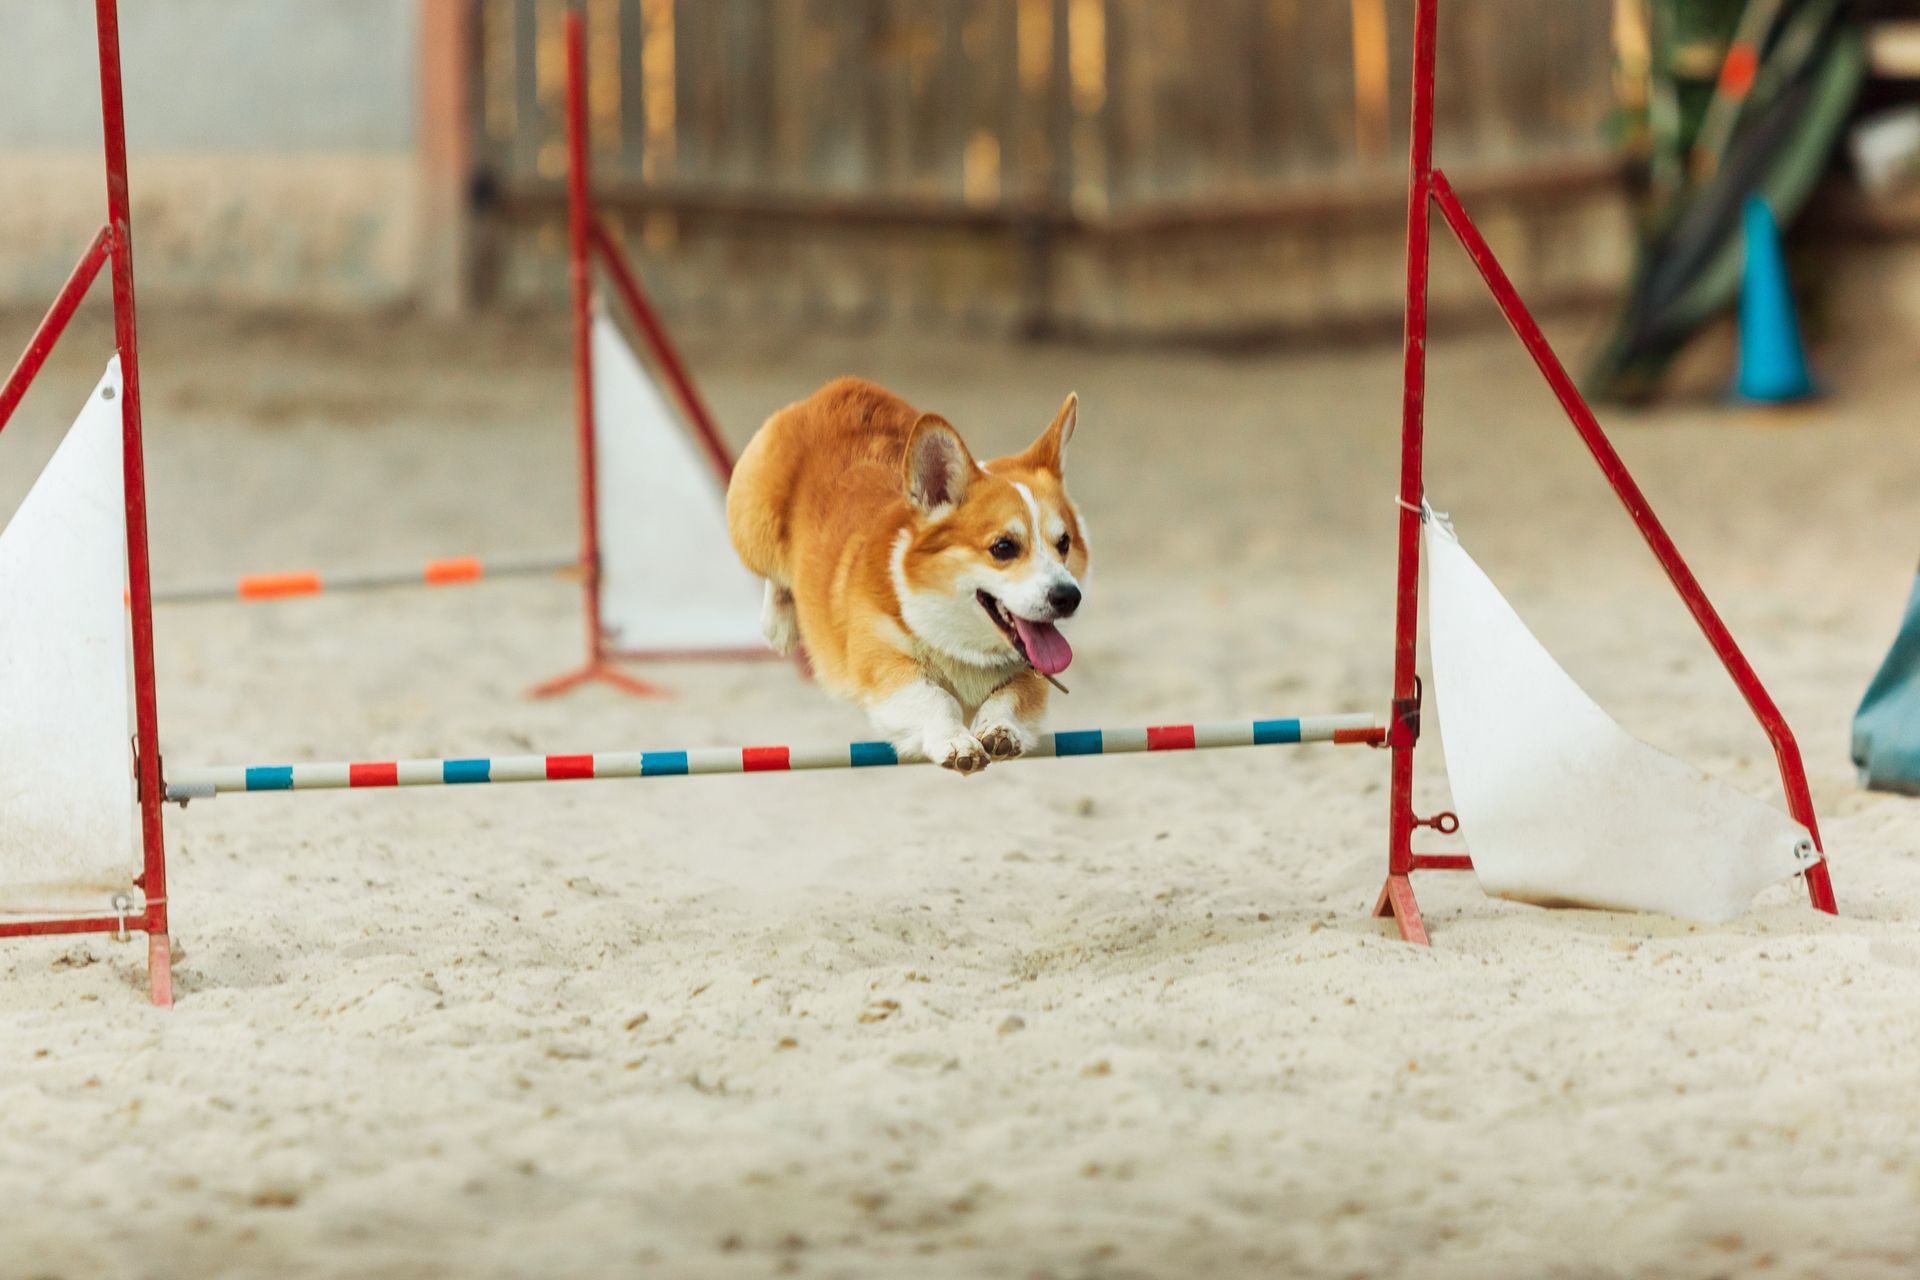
<point x="669" y="577"/>
<point x="66" y="760"/>
<point x="1558" y="804"/>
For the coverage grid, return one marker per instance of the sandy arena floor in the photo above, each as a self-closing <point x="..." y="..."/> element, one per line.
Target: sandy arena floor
<point x="1076" y="1019"/>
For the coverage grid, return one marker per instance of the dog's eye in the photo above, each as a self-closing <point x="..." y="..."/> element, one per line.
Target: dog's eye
<point x="1065" y="544"/>
<point x="1005" y="549"/>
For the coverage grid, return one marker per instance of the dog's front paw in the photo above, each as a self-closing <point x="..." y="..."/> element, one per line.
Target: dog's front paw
<point x="1005" y="740"/>
<point x="963" y="754"/>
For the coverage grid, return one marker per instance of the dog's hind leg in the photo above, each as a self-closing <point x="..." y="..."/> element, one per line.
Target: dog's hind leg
<point x="758" y="496"/>
<point x="778" y="622"/>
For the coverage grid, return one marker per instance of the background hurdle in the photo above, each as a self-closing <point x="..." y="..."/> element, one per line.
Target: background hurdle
<point x="590" y="242"/>
<point x="185" y="785"/>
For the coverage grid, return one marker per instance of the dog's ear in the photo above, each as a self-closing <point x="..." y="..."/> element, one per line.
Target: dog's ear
<point x="1049" y="452"/>
<point x="939" y="468"/>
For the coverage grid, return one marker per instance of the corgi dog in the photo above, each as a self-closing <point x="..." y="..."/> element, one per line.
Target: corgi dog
<point x="926" y="587"/>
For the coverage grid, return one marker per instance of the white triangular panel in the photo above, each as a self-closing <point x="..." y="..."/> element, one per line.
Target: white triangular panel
<point x="669" y="579"/>
<point x="66" y="763"/>
<point x="1558" y="804"/>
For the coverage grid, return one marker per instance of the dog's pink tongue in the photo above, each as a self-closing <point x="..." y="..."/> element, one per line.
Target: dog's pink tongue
<point x="1047" y="649"/>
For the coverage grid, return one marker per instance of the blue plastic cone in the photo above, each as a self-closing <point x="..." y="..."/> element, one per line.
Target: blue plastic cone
<point x="1773" y="362"/>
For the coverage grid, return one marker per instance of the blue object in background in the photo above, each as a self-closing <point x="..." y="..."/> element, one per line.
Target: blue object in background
<point x="1773" y="362"/>
<point x="1886" y="728"/>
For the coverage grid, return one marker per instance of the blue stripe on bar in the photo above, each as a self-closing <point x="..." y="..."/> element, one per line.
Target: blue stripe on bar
<point x="662" y="764"/>
<point x="277" y="777"/>
<point x="866" y="754"/>
<point x="457" y="771"/>
<point x="1077" y="742"/>
<point x="1268" y="733"/>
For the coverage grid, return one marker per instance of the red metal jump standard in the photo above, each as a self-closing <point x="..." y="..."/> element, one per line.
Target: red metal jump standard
<point x="1427" y="188"/>
<point x="116" y="239"/>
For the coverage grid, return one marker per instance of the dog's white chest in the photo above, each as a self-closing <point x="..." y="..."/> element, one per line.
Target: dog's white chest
<point x="969" y="684"/>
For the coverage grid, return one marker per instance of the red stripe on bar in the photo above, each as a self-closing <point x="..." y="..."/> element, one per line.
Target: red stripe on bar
<point x="274" y="586"/>
<point x="385" y="774"/>
<point x="1170" y="737"/>
<point x="1442" y="862"/>
<point x="764" y="759"/>
<point x="561" y="768"/>
<point x="440" y="573"/>
<point x="1375" y="735"/>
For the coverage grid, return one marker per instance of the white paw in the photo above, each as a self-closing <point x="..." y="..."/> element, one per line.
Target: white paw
<point x="963" y="753"/>
<point x="1005" y="740"/>
<point x="777" y="621"/>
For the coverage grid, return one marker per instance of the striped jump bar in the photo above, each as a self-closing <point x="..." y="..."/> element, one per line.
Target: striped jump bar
<point x="193" y="784"/>
<point x="455" y="571"/>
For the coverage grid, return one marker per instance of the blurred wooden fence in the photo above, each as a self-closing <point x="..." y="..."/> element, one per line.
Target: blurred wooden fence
<point x="1033" y="115"/>
<point x="1096" y="106"/>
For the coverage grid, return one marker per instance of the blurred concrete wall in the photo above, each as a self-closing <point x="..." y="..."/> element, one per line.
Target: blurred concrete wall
<point x="274" y="148"/>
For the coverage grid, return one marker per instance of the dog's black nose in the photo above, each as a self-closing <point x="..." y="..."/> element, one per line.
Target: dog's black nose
<point x="1064" y="598"/>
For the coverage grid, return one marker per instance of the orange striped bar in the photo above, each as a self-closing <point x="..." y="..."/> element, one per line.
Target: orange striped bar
<point x="449" y="572"/>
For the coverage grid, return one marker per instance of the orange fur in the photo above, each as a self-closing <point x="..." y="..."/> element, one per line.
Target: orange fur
<point x="821" y="502"/>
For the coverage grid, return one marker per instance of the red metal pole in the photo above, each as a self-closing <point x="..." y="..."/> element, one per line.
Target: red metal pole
<point x="580" y="278"/>
<point x="64" y="305"/>
<point x="153" y="882"/>
<point x="664" y="352"/>
<point x="1397" y="898"/>
<point x="1786" y="750"/>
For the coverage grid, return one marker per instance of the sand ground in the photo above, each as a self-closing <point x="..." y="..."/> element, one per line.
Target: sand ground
<point x="1075" y="1019"/>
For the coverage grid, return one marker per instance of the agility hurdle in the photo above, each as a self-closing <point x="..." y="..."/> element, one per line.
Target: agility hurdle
<point x="1428" y="188"/>
<point x="1795" y="832"/>
<point x="185" y="785"/>
<point x="113" y="244"/>
<point x="590" y="243"/>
